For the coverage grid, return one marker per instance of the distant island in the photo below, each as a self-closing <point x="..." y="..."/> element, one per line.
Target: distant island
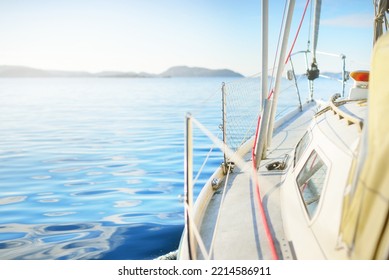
<point x="7" y="71"/>
<point x="185" y="71"/>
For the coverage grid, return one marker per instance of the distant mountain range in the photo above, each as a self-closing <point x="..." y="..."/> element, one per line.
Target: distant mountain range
<point x="185" y="71"/>
<point x="177" y="71"/>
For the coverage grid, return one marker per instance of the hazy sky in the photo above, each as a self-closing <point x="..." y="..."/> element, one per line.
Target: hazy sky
<point x="152" y="35"/>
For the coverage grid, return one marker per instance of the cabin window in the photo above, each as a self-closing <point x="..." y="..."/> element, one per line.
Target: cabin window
<point x="310" y="182"/>
<point x="301" y="147"/>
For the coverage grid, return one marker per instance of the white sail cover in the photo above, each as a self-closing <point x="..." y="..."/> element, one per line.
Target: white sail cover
<point x="365" y="221"/>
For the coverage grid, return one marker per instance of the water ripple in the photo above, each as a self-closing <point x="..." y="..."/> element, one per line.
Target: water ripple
<point x="98" y="172"/>
<point x="12" y="199"/>
<point x="127" y="203"/>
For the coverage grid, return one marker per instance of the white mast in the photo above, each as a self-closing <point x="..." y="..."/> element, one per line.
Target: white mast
<point x="261" y="139"/>
<point x="280" y="69"/>
<point x="265" y="43"/>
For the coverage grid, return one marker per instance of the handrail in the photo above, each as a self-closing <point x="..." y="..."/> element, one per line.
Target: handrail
<point x="342" y="114"/>
<point x="334" y="106"/>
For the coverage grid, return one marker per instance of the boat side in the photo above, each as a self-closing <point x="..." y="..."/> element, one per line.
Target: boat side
<point x="313" y="227"/>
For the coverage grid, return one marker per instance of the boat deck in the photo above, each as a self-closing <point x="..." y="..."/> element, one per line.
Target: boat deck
<point x="240" y="232"/>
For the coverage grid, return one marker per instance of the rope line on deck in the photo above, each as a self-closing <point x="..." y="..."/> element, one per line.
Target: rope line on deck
<point x="259" y="200"/>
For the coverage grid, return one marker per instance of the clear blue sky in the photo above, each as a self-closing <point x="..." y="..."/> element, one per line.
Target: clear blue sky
<point x="152" y="35"/>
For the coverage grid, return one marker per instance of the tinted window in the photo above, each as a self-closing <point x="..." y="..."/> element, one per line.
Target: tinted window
<point x="310" y="182"/>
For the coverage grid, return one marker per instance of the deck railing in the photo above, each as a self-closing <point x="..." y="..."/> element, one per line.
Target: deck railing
<point x="194" y="239"/>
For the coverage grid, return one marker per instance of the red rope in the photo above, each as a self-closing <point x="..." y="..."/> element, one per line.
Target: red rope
<point x="269" y="237"/>
<point x="297" y="33"/>
<point x="270" y="94"/>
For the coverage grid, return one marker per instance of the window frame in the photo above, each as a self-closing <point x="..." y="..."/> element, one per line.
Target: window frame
<point x="301" y="167"/>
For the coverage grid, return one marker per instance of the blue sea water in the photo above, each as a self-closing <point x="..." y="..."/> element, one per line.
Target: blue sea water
<point x="92" y="168"/>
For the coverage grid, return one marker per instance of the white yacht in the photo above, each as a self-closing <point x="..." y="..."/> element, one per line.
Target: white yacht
<point x="313" y="184"/>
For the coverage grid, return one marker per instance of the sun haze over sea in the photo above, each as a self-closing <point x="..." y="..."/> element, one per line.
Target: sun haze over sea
<point x="153" y="35"/>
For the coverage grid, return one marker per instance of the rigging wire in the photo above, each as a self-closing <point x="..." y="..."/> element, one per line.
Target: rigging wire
<point x="298" y="32"/>
<point x="292" y="47"/>
<point x="278" y="45"/>
<point x="309" y="27"/>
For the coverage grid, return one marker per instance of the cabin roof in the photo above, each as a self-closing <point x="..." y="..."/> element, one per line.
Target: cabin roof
<point x="338" y="128"/>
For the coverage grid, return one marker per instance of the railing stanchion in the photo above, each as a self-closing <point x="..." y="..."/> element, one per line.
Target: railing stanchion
<point x="344" y="78"/>
<point x="189" y="184"/>
<point x="224" y="126"/>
